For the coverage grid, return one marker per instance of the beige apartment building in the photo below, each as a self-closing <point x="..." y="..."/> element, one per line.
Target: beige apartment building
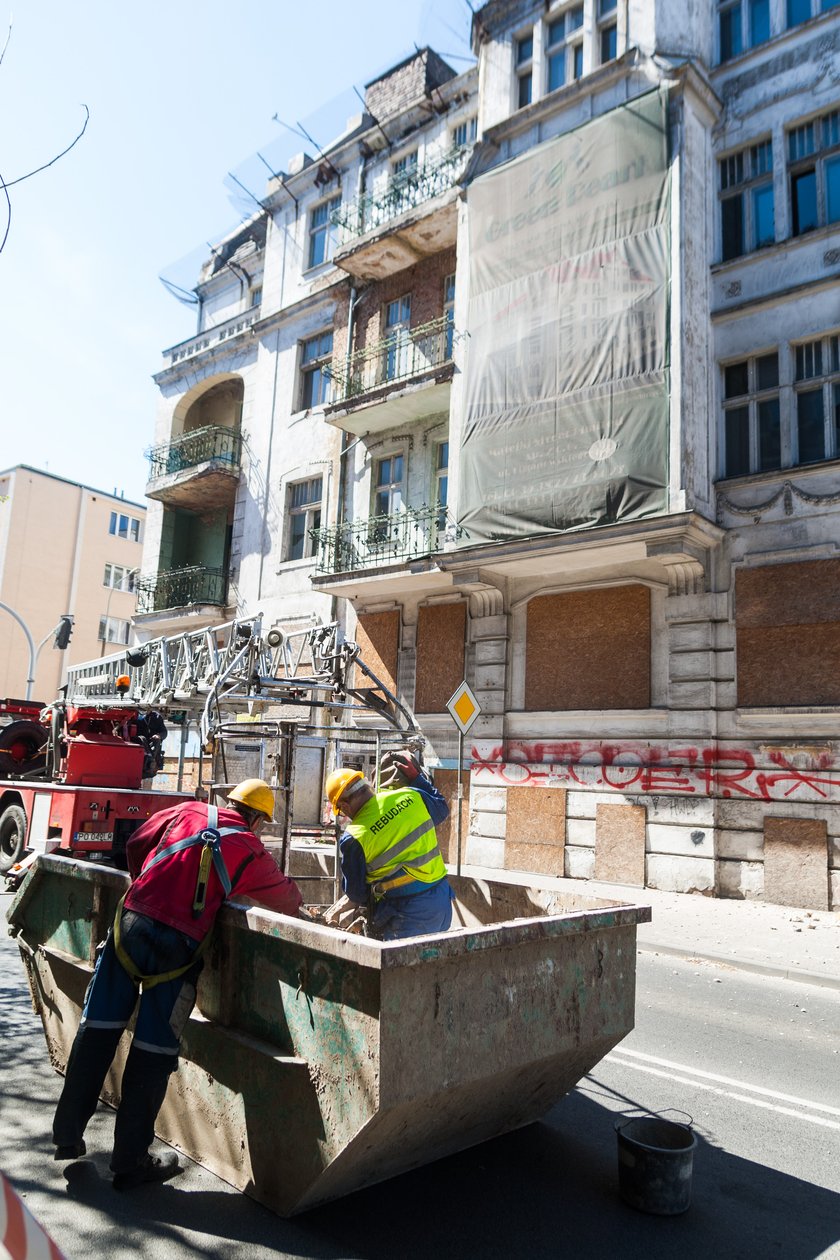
<point x="64" y="548"/>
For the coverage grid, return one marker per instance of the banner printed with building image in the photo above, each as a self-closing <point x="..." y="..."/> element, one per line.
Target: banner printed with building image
<point x="567" y="372"/>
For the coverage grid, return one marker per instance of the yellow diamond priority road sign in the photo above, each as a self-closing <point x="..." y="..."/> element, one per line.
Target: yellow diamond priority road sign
<point x="464" y="708"/>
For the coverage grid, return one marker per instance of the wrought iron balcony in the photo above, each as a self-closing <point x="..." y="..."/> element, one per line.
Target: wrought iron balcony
<point x="404" y="191"/>
<point x="382" y="540"/>
<point x="177" y="588"/>
<point x="404" y="354"/>
<point x="215" y="442"/>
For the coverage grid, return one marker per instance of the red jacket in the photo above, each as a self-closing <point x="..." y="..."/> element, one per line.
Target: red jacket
<point x="166" y="892"/>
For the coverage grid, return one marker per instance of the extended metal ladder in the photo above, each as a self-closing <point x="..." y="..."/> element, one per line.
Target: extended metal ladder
<point x="219" y="670"/>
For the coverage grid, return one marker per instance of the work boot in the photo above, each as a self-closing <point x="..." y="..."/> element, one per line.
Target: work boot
<point x="73" y="1150"/>
<point x="153" y="1168"/>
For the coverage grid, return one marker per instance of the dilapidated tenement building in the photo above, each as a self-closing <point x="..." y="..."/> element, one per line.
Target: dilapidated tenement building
<point x="533" y="378"/>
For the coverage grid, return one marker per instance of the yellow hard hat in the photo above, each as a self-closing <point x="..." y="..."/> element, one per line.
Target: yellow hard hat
<point x="255" y="794"/>
<point x="338" y="782"/>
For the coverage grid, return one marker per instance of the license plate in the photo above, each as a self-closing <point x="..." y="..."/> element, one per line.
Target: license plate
<point x="93" y="837"/>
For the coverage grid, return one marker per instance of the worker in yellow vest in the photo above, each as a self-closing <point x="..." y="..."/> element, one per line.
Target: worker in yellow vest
<point x="389" y="853"/>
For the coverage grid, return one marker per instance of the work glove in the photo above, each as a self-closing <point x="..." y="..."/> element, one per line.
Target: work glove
<point x="398" y="769"/>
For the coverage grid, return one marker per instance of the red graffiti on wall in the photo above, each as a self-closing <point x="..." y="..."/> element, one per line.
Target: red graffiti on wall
<point x="713" y="770"/>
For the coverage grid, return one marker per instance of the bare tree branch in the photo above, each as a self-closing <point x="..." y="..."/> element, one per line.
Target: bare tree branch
<point x="6" y="45"/>
<point x="8" y="214"/>
<point x="4" y="185"/>
<point x="52" y="161"/>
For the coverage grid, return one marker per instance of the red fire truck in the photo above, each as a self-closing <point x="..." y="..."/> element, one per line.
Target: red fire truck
<point x="71" y="779"/>
<point x="72" y="772"/>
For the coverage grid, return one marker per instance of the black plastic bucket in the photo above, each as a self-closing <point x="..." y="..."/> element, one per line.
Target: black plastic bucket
<point x="655" y="1164"/>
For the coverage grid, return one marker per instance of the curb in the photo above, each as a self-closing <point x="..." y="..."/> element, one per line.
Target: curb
<point x="741" y="964"/>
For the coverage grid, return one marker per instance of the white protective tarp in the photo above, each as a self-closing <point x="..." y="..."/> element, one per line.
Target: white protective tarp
<point x="567" y="383"/>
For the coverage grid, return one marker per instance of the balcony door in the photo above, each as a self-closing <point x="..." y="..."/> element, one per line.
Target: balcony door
<point x="397" y="360"/>
<point x="385" y="536"/>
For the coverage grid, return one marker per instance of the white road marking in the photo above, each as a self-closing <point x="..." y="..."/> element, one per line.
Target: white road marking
<point x="627" y="1058"/>
<point x="727" y="1080"/>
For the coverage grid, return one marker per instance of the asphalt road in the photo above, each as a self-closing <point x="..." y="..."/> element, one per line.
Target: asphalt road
<point x="755" y="1062"/>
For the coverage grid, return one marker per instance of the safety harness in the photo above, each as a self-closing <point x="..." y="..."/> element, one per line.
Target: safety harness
<point x="210" y="837"/>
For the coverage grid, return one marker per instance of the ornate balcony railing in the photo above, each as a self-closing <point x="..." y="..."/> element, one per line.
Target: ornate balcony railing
<point x="177" y="588"/>
<point x="216" y="442"/>
<point x="404" y="191"/>
<point x="405" y="353"/>
<point x="381" y="540"/>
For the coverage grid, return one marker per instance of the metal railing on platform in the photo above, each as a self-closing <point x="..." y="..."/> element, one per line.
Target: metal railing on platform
<point x="214" y="442"/>
<point x="176" y="588"/>
<point x="403" y="354"/>
<point x="381" y="540"/>
<point x="404" y="191"/>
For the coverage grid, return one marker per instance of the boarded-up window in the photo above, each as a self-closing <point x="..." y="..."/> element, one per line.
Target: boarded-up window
<point x="535" y="830"/>
<point x="787" y="619"/>
<point x="440" y="655"/>
<point x="378" y="636"/>
<point x="589" y="650"/>
<point x="446" y="782"/>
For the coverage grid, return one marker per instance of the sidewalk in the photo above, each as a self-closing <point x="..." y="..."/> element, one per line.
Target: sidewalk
<point x="753" y="935"/>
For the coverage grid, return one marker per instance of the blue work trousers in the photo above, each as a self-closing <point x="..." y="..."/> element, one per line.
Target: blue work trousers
<point x="110" y="1001"/>
<point x="417" y="914"/>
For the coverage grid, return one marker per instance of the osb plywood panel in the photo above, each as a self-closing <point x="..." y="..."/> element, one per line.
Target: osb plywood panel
<point x="440" y="655"/>
<point x="535" y="815"/>
<point x="620" y="844"/>
<point x="378" y="636"/>
<point x="535" y="830"/>
<point x="446" y="782"/>
<point x="541" y="859"/>
<point x="589" y="650"/>
<point x="779" y="665"/>
<point x="788" y="594"/>
<point x="796" y="862"/>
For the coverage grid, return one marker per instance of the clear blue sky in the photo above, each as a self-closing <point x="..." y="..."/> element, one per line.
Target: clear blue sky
<point x="180" y="93"/>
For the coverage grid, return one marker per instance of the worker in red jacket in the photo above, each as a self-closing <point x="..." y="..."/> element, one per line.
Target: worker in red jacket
<point x="184" y="862"/>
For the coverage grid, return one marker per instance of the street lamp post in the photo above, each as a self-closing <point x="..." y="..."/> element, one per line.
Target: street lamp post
<point x="32" y="656"/>
<point x="34" y="652"/>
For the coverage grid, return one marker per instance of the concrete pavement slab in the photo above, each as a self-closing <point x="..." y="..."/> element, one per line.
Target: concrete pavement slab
<point x="754" y="935"/>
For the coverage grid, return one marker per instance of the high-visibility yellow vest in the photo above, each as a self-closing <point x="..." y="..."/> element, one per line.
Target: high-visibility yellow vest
<point x="398" y="839"/>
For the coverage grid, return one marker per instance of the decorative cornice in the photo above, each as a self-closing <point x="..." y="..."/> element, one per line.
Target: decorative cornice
<point x="393" y="439"/>
<point x="672" y="533"/>
<point x="786" y="494"/>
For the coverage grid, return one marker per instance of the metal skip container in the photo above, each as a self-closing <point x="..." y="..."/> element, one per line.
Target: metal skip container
<point x="318" y="1062"/>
